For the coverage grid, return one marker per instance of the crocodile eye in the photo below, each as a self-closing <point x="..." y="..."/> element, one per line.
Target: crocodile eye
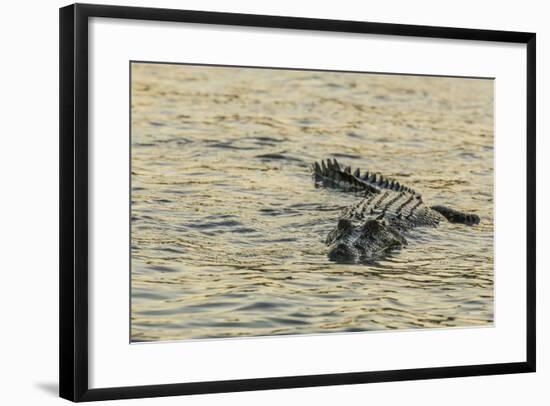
<point x="344" y="224"/>
<point x="371" y="227"/>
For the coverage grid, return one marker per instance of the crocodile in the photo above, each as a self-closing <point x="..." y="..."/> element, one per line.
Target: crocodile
<point x="382" y="220"/>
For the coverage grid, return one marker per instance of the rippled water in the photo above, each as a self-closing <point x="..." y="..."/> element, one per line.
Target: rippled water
<point x="228" y="229"/>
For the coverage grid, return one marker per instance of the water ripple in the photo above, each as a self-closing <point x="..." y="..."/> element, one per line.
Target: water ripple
<point x="228" y="229"/>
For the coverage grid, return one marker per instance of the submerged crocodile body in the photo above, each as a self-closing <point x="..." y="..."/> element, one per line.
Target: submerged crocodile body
<point x="382" y="219"/>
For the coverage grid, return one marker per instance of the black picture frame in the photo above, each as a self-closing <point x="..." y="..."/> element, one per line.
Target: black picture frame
<point x="74" y="173"/>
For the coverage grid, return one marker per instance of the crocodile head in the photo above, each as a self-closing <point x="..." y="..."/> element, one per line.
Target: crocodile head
<point x="350" y="243"/>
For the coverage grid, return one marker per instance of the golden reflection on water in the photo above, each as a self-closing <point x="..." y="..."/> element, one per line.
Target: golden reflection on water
<point x="228" y="229"/>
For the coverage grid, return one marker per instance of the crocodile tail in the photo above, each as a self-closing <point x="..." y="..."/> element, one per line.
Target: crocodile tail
<point x="330" y="173"/>
<point x="333" y="174"/>
<point x="382" y="182"/>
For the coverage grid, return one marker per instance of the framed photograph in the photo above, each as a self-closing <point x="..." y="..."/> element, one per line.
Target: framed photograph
<point x="256" y="202"/>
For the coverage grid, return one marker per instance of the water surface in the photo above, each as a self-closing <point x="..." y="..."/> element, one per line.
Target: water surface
<point x="228" y="229"/>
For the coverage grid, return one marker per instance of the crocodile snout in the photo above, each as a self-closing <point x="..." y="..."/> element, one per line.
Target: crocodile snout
<point x="341" y="253"/>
